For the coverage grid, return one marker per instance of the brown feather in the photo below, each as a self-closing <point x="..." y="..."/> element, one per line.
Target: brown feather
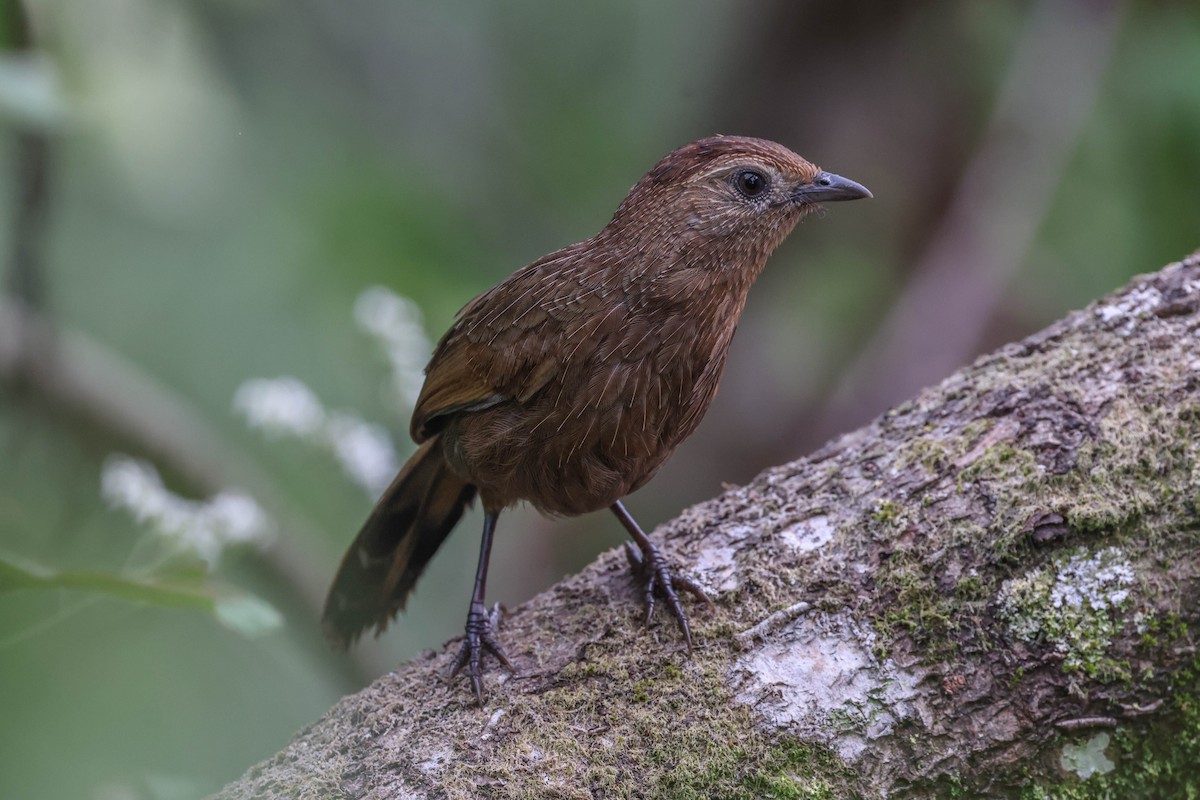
<point x="408" y="524"/>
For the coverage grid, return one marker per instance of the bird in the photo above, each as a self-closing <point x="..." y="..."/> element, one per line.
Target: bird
<point x="568" y="384"/>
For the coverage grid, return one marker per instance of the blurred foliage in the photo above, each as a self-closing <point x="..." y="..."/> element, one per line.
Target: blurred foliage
<point x="228" y="175"/>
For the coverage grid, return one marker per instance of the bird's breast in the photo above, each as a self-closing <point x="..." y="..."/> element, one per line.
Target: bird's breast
<point x="604" y="423"/>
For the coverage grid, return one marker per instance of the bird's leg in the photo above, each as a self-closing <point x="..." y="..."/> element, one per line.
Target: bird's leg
<point x="651" y="567"/>
<point x="480" y="624"/>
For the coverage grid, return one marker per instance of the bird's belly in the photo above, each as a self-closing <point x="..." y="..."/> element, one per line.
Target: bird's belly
<point x="563" y="464"/>
<point x="567" y="458"/>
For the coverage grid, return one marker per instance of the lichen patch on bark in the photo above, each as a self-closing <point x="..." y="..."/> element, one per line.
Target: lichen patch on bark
<point x="1074" y="604"/>
<point x="818" y="679"/>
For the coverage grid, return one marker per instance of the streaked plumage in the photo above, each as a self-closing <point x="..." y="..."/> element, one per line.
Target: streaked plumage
<point x="572" y="381"/>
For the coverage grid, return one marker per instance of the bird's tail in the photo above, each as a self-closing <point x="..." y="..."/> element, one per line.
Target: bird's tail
<point x="408" y="524"/>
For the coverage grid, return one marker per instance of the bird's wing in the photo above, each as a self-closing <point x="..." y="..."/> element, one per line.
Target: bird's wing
<point x="509" y="342"/>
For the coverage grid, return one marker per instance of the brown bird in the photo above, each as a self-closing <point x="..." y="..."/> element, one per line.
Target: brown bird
<point x="570" y="383"/>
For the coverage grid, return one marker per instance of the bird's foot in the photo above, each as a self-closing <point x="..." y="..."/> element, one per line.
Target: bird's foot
<point x="650" y="566"/>
<point x="478" y="639"/>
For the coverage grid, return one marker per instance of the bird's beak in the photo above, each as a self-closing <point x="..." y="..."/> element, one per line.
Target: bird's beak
<point x="828" y="187"/>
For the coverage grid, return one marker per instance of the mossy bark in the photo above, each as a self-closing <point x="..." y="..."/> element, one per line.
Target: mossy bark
<point x="989" y="591"/>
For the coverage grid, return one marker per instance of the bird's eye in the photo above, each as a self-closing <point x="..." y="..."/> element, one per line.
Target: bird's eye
<point x="751" y="183"/>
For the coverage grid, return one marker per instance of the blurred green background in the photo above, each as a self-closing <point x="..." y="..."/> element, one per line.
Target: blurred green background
<point x="196" y="192"/>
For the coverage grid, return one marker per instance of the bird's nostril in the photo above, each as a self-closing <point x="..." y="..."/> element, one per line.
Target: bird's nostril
<point x="824" y="180"/>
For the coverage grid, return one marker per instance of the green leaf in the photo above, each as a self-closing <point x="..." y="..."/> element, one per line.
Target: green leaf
<point x="23" y="575"/>
<point x="237" y="610"/>
<point x="248" y="615"/>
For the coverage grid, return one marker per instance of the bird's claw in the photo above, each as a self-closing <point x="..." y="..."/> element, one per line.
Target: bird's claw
<point x="650" y="567"/>
<point x="477" y="640"/>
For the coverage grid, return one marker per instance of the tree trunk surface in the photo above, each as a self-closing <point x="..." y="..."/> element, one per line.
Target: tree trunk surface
<point x="989" y="591"/>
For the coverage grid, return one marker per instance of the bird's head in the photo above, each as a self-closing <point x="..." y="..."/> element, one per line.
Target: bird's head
<point x="732" y="197"/>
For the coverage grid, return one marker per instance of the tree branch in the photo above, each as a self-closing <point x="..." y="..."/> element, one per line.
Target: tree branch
<point x="973" y="595"/>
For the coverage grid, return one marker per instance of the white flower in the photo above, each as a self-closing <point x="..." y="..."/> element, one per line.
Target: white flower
<point x="363" y="449"/>
<point x="287" y="407"/>
<point x="205" y="527"/>
<point x="280" y="407"/>
<point x="395" y="322"/>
